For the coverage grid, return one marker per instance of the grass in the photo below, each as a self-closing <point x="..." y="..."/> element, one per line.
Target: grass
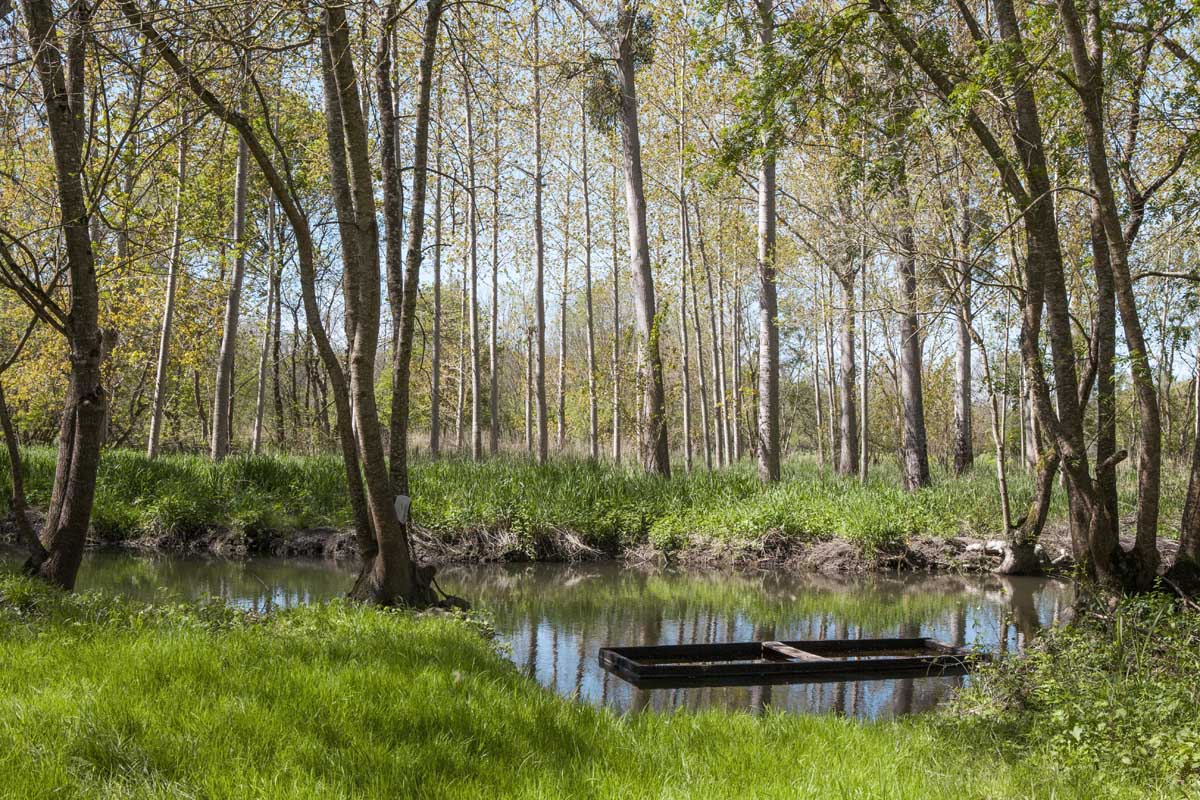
<point x="608" y="506"/>
<point x="102" y="697"/>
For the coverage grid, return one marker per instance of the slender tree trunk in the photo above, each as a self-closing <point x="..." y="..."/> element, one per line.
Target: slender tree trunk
<point x="964" y="447"/>
<point x="1104" y="342"/>
<point x="864" y="387"/>
<point x="616" y="324"/>
<point x="277" y="358"/>
<point x="768" y="302"/>
<point x="593" y="411"/>
<point x="698" y="329"/>
<point x="473" y="249"/>
<point x="916" y="451"/>
<point x="1189" y="527"/>
<point x="20" y="506"/>
<point x="561" y="388"/>
<point x="716" y="334"/>
<point x="539" y="246"/>
<point x="494" y="317"/>
<point x="435" y="368"/>
<point x="223" y="396"/>
<point x="460" y="406"/>
<point x="529" y="390"/>
<point x="656" y="455"/>
<point x="685" y="378"/>
<point x="173" y="267"/>
<point x="830" y="382"/>
<point x="848" y="462"/>
<point x="260" y="401"/>
<point x="736" y="378"/>
<point x="393" y="221"/>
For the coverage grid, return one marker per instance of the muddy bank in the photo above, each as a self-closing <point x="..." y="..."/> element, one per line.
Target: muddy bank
<point x="771" y="550"/>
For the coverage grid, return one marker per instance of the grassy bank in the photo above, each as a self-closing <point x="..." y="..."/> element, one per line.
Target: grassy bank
<point x="101" y="697"/>
<point x="607" y="506"/>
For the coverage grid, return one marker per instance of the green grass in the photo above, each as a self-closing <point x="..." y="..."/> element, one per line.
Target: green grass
<point x="607" y="506"/>
<point x="103" y="698"/>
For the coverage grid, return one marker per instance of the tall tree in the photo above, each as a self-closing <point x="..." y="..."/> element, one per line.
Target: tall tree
<point x="628" y="44"/>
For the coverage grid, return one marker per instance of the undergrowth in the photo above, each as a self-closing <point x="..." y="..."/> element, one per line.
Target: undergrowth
<point x="610" y="507"/>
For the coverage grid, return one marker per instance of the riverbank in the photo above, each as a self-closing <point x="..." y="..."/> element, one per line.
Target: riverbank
<point x="103" y="697"/>
<point x="509" y="508"/>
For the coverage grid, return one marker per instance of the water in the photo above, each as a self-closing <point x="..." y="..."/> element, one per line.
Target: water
<point x="552" y="618"/>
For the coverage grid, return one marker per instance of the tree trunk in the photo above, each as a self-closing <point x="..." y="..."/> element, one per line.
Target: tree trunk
<point x="393" y="218"/>
<point x="277" y="357"/>
<point x="561" y="388"/>
<point x="864" y="389"/>
<point x="768" y="302"/>
<point x="20" y="506"/>
<point x="60" y="62"/>
<point x="223" y="396"/>
<point x="1188" y="559"/>
<point x="593" y="410"/>
<point x="1141" y="568"/>
<point x="539" y="246"/>
<point x="260" y="401"/>
<point x="916" y="452"/>
<point x="435" y="359"/>
<point x="685" y="377"/>
<point x="390" y="576"/>
<point x="616" y="324"/>
<point x="848" y="461"/>
<point x="494" y="317"/>
<point x="173" y="267"/>
<point x="656" y="456"/>
<point x="964" y="446"/>
<point x="716" y="333"/>
<point x="473" y="250"/>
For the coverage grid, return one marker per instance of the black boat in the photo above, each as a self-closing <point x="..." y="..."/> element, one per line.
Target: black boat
<point x="759" y="663"/>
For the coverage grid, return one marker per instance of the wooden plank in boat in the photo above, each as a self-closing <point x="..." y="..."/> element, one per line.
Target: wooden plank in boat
<point x="781" y="650"/>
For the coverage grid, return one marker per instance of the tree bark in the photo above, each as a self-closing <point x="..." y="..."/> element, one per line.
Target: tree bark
<point x="173" y="266"/>
<point x="473" y="277"/>
<point x="964" y="446"/>
<point x="391" y="576"/>
<point x="539" y="246"/>
<point x="494" y="316"/>
<point x="616" y="324"/>
<point x="560" y="395"/>
<point x="656" y="456"/>
<point x="916" y="452"/>
<point x="768" y="302"/>
<point x="60" y="62"/>
<point x="393" y="215"/>
<point x="593" y="410"/>
<point x="260" y="401"/>
<point x="435" y="359"/>
<point x="223" y="396"/>
<point x="848" y="460"/>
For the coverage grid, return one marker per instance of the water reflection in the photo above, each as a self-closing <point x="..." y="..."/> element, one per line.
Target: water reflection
<point x="552" y="618"/>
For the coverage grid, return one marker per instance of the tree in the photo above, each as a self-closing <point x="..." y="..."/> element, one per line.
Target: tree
<point x="627" y="43"/>
<point x="59" y="51"/>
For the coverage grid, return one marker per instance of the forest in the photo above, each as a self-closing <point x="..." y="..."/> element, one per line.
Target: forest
<point x="669" y="323"/>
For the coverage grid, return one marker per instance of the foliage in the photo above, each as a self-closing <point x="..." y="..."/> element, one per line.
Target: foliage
<point x="1119" y="689"/>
